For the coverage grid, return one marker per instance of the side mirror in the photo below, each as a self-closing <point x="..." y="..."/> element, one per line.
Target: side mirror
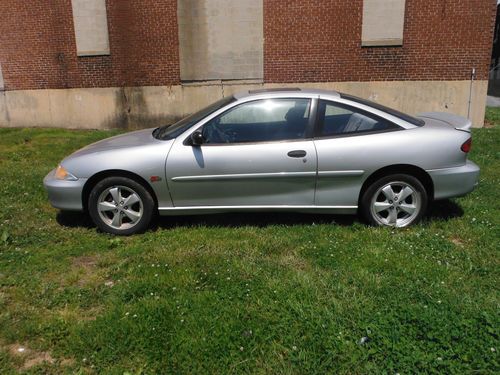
<point x="197" y="138"/>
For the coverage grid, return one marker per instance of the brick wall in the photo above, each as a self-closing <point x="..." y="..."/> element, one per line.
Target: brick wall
<point x="320" y="41"/>
<point x="304" y="41"/>
<point x="38" y="51"/>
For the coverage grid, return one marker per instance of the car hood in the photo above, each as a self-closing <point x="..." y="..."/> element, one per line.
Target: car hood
<point x="132" y="139"/>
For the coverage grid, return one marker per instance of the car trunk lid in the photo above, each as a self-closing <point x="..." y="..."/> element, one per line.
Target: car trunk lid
<point x="458" y="122"/>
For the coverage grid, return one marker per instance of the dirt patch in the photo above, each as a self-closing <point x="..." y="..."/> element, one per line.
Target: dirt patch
<point x="86" y="261"/>
<point x="489" y="124"/>
<point x="457" y="241"/>
<point x="85" y="267"/>
<point x="77" y="314"/>
<point x="295" y="262"/>
<point x="66" y="362"/>
<point x="30" y="357"/>
<point x="38" y="359"/>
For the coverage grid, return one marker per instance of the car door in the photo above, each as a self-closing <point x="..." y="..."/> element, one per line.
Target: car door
<point x="351" y="144"/>
<point x="256" y="153"/>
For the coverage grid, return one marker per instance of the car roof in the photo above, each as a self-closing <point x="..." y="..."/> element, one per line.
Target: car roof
<point x="284" y="91"/>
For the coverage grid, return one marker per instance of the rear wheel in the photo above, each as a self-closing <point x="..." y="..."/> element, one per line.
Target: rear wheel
<point x="120" y="205"/>
<point x="397" y="200"/>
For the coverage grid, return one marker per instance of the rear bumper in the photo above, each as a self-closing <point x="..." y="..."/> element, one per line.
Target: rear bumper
<point x="454" y="182"/>
<point x="64" y="195"/>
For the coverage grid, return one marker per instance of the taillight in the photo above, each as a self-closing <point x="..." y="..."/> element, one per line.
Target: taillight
<point x="467" y="145"/>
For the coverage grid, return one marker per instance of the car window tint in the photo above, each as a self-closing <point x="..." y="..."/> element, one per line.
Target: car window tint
<point x="338" y="119"/>
<point x="260" y="121"/>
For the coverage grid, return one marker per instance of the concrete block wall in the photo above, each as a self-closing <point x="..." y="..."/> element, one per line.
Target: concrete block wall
<point x="91" y="27"/>
<point x="383" y="22"/>
<point x="220" y="39"/>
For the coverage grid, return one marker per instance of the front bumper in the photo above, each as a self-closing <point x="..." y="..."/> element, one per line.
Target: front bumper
<point x="454" y="182"/>
<point x="64" y="195"/>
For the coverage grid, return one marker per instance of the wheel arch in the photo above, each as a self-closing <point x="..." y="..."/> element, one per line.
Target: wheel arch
<point x="93" y="180"/>
<point x="409" y="169"/>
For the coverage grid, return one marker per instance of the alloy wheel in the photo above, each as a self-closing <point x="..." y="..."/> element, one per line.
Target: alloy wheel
<point x="120" y="207"/>
<point x="396" y="204"/>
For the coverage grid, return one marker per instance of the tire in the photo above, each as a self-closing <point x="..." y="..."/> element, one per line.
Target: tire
<point x="381" y="203"/>
<point x="121" y="206"/>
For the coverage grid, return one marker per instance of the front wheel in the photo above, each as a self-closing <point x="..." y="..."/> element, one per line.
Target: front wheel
<point x="397" y="200"/>
<point x="120" y="205"/>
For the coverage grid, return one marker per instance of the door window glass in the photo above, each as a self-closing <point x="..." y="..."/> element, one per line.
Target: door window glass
<point x="260" y="121"/>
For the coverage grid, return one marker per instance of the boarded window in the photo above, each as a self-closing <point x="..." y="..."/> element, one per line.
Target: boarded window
<point x="383" y="22"/>
<point x="91" y="27"/>
<point x="220" y="39"/>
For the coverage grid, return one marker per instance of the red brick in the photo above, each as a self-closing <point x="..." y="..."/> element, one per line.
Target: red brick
<point x="320" y="41"/>
<point x="305" y="41"/>
<point x="38" y="48"/>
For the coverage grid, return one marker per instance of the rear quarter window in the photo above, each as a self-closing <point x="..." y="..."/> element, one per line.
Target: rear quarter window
<point x="336" y="119"/>
<point x="403" y="116"/>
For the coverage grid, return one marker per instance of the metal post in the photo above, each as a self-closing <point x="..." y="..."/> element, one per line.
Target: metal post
<point x="472" y="77"/>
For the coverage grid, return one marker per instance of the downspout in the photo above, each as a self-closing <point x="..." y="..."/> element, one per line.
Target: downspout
<point x="2" y="85"/>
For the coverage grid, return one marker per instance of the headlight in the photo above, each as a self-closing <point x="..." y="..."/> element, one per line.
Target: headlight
<point x="63" y="174"/>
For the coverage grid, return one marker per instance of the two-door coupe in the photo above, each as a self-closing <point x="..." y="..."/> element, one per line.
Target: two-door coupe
<point x="264" y="150"/>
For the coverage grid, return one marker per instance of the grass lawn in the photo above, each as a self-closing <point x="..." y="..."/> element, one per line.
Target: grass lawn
<point x="244" y="293"/>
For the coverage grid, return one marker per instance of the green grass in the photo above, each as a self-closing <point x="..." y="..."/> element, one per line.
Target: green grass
<point x="244" y="293"/>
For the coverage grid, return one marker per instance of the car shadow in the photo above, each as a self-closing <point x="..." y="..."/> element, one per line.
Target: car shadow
<point x="253" y="219"/>
<point x="445" y="209"/>
<point x="72" y="219"/>
<point x="257" y="219"/>
<point x="439" y="210"/>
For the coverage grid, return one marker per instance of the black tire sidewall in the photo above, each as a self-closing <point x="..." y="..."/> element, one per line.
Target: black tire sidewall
<point x="147" y="201"/>
<point x="370" y="191"/>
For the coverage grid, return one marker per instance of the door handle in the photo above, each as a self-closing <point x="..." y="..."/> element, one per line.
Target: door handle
<point x="297" y="154"/>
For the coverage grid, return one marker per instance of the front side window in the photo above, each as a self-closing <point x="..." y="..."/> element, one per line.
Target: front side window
<point x="338" y="119"/>
<point x="260" y="121"/>
<point x="172" y="131"/>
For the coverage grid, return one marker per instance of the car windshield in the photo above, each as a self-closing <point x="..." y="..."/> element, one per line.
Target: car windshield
<point x="172" y="131"/>
<point x="403" y="116"/>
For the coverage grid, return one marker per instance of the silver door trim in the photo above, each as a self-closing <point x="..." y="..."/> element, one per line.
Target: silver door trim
<point x="191" y="210"/>
<point x="242" y="176"/>
<point x="340" y="173"/>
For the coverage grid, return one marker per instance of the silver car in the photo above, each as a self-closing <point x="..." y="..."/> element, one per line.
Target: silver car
<point x="272" y="150"/>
